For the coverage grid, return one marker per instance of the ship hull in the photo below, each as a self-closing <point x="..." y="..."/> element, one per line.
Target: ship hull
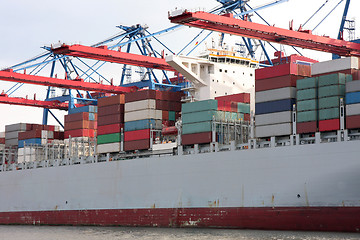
<point x="308" y="187"/>
<point x="342" y="219"/>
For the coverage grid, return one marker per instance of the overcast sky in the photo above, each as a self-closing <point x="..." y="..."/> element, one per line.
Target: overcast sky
<point x="26" y="26"/>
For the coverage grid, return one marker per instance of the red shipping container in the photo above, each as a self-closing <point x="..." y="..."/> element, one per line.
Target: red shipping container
<point x="165" y="115"/>
<point x="77" y="117"/>
<point x="224" y="106"/>
<point x="142" y="95"/>
<point x="306" y="127"/>
<point x="59" y="135"/>
<point x="36" y="133"/>
<point x="77" y="125"/>
<point x="196" y="138"/>
<point x="161" y="105"/>
<point x="169" y="131"/>
<point x="276" y="82"/>
<point x="92" y="124"/>
<point x="137" y="135"/>
<point x="353" y="121"/>
<point x="30" y="127"/>
<point x="234" y="106"/>
<point x="113" y="100"/>
<point x="2" y="140"/>
<point x="111" y="110"/>
<point x="171" y="123"/>
<point x="329" y="125"/>
<point x="174" y="106"/>
<point x="283" y="70"/>
<point x="175" y="96"/>
<point x="246" y="117"/>
<point x="177" y="115"/>
<point x="240" y="97"/>
<point x="108" y="129"/>
<point x="137" y="145"/>
<point x="80" y="133"/>
<point x="110" y="119"/>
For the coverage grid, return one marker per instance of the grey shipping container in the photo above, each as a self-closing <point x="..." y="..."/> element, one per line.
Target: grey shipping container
<point x="335" y="65"/>
<point x="275" y="94"/>
<point x="15" y="127"/>
<point x="353" y="86"/>
<point x="353" y="109"/>
<point x="273" y="118"/>
<point x="273" y="130"/>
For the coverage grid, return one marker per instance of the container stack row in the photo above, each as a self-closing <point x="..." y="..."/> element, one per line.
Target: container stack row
<point x="197" y="117"/>
<point x="110" y="123"/>
<point x="353" y="104"/>
<point x="81" y="122"/>
<point x="12" y="132"/>
<point x="275" y="96"/>
<point x="307" y="105"/>
<point x="331" y="90"/>
<point x="142" y="115"/>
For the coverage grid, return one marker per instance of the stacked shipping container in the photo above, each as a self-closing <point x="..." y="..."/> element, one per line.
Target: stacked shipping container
<point x="353" y="104"/>
<point x="110" y="123"/>
<point x="197" y="117"/>
<point x="2" y="141"/>
<point x="81" y="122"/>
<point x="307" y="105"/>
<point x="275" y="95"/>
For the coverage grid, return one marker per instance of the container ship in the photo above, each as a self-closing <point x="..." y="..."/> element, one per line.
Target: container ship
<point x="273" y="148"/>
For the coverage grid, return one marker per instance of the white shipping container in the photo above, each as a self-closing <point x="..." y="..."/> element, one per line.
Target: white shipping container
<point x="275" y="94"/>
<point x="26" y="151"/>
<point x="108" y="147"/>
<point x="11" y="135"/>
<point x="353" y="86"/>
<point x="15" y="127"/>
<point x="2" y="134"/>
<point x="273" y="130"/>
<point x="57" y="128"/>
<point x="143" y="114"/>
<point x="26" y="158"/>
<point x="2" y="147"/>
<point x="47" y="134"/>
<point x="140" y="105"/>
<point x="353" y="109"/>
<point x="273" y="118"/>
<point x="335" y="65"/>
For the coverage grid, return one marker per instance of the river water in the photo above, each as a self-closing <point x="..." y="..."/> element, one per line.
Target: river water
<point x="115" y="233"/>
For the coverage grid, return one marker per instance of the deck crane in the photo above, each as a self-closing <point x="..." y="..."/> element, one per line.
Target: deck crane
<point x="304" y="39"/>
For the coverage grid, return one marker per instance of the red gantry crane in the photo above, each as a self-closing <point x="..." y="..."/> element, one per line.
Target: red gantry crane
<point x="301" y="38"/>
<point x="102" y="53"/>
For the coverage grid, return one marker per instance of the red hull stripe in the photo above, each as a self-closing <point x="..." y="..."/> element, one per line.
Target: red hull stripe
<point x="346" y="219"/>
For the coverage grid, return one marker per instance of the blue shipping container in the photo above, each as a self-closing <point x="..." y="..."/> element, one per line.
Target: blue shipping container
<point x="27" y="142"/>
<point x="352" y="97"/>
<point x="142" y="124"/>
<point x="275" y="106"/>
<point x="89" y="108"/>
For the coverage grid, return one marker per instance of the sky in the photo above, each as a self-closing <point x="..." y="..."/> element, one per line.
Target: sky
<point x="26" y="26"/>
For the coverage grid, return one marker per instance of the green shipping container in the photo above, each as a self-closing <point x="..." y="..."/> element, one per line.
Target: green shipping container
<point x="196" y="127"/>
<point x="307" y="105"/>
<point x="329" y="113"/>
<point x="307" y="116"/>
<point x="306" y="83"/>
<point x="243" y="108"/>
<point x="334" y="79"/>
<point x="329" y="102"/>
<point x="333" y="90"/>
<point x="172" y="116"/>
<point x="195" y="117"/>
<point x="199" y="106"/>
<point x="306" y="94"/>
<point x="109" y="138"/>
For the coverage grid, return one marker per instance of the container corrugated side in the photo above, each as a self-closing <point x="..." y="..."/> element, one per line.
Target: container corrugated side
<point x="307" y="116"/>
<point x="306" y="94"/>
<point x="109" y="138"/>
<point x="274" y="106"/>
<point x="353" y="86"/>
<point x="329" y="102"/>
<point x="329" y="113"/>
<point x="16" y="127"/>
<point x="275" y="94"/>
<point x="273" y="130"/>
<point x="307" y="105"/>
<point x="196" y="127"/>
<point x="143" y="114"/>
<point x="273" y="118"/>
<point x="89" y="108"/>
<point x="352" y="97"/>
<point x="334" y="79"/>
<point x="140" y="105"/>
<point x="109" y="147"/>
<point x="199" y="106"/>
<point x="335" y="65"/>
<point x="307" y="83"/>
<point x="353" y="109"/>
<point x="143" y="124"/>
<point x="353" y="121"/>
<point x="333" y="90"/>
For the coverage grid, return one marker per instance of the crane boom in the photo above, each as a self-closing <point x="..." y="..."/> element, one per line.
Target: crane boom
<point x="304" y="39"/>
<point x="9" y="75"/>
<point x="103" y="54"/>
<point x="35" y="103"/>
